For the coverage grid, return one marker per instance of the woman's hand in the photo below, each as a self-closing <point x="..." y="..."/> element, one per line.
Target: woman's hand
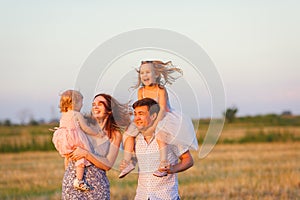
<point x="78" y="153"/>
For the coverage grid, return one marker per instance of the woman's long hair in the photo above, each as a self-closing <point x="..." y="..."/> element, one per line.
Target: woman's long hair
<point x="118" y="114"/>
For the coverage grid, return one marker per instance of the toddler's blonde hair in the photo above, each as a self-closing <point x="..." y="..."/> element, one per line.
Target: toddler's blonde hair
<point x="69" y="99"/>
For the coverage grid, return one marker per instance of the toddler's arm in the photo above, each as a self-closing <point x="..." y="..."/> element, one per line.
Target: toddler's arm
<point x="91" y="130"/>
<point x="104" y="163"/>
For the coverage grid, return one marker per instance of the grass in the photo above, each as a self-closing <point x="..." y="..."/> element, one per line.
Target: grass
<point x="262" y="135"/>
<point x="253" y="159"/>
<point x="245" y="171"/>
<point x="243" y="130"/>
<point x="31" y="175"/>
<point x="239" y="171"/>
<point x="25" y="138"/>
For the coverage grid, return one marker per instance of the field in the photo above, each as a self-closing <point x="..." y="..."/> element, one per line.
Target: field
<point x="248" y="171"/>
<point x="249" y="162"/>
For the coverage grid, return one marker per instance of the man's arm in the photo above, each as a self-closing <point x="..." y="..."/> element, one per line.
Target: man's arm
<point x="186" y="161"/>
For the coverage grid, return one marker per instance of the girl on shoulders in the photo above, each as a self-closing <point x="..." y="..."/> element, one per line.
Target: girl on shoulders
<point x="170" y="127"/>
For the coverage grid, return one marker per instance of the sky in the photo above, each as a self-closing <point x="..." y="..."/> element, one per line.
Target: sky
<point x="254" y="45"/>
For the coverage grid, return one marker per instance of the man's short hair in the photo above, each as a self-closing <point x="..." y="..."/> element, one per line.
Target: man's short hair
<point x="152" y="105"/>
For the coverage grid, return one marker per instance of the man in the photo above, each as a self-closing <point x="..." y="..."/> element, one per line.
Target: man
<point x="148" y="157"/>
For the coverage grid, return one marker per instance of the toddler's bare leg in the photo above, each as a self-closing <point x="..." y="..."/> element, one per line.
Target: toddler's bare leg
<point x="80" y="171"/>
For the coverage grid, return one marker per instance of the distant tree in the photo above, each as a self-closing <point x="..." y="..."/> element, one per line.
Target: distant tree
<point x="286" y="113"/>
<point x="7" y="122"/>
<point x="33" y="122"/>
<point x="230" y="114"/>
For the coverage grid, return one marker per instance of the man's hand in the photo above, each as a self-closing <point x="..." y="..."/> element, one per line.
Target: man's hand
<point x="167" y="169"/>
<point x="186" y="161"/>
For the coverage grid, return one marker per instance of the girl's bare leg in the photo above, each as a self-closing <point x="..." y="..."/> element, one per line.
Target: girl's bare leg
<point x="127" y="165"/>
<point x="163" y="152"/>
<point x="128" y="148"/>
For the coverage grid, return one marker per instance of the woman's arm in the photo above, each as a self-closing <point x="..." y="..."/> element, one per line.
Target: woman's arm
<point x="91" y="130"/>
<point x="104" y="163"/>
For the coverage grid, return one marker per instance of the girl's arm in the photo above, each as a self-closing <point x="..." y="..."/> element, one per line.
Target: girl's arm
<point x="91" y="130"/>
<point x="162" y="101"/>
<point x="140" y="93"/>
<point x="104" y="163"/>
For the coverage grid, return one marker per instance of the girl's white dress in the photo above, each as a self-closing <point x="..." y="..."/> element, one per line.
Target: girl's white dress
<point x="176" y="128"/>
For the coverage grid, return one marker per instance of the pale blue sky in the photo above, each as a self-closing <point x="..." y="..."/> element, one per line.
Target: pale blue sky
<point x="255" y="46"/>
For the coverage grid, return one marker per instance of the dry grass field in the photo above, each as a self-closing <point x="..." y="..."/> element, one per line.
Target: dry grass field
<point x="230" y="171"/>
<point x="250" y="161"/>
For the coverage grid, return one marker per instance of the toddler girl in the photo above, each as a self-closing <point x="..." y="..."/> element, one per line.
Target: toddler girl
<point x="71" y="133"/>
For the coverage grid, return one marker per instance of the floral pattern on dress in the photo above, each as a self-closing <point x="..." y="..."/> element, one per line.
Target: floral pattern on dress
<point x="95" y="177"/>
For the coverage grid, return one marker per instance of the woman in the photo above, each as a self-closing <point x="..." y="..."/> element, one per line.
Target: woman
<point x="112" y="117"/>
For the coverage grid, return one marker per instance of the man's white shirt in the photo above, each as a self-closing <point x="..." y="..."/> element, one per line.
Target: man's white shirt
<point x="150" y="186"/>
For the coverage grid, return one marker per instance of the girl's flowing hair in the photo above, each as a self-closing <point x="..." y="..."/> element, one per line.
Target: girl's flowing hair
<point x="163" y="71"/>
<point x="118" y="114"/>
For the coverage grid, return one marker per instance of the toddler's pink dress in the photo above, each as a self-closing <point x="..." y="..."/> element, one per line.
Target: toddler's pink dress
<point x="69" y="135"/>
